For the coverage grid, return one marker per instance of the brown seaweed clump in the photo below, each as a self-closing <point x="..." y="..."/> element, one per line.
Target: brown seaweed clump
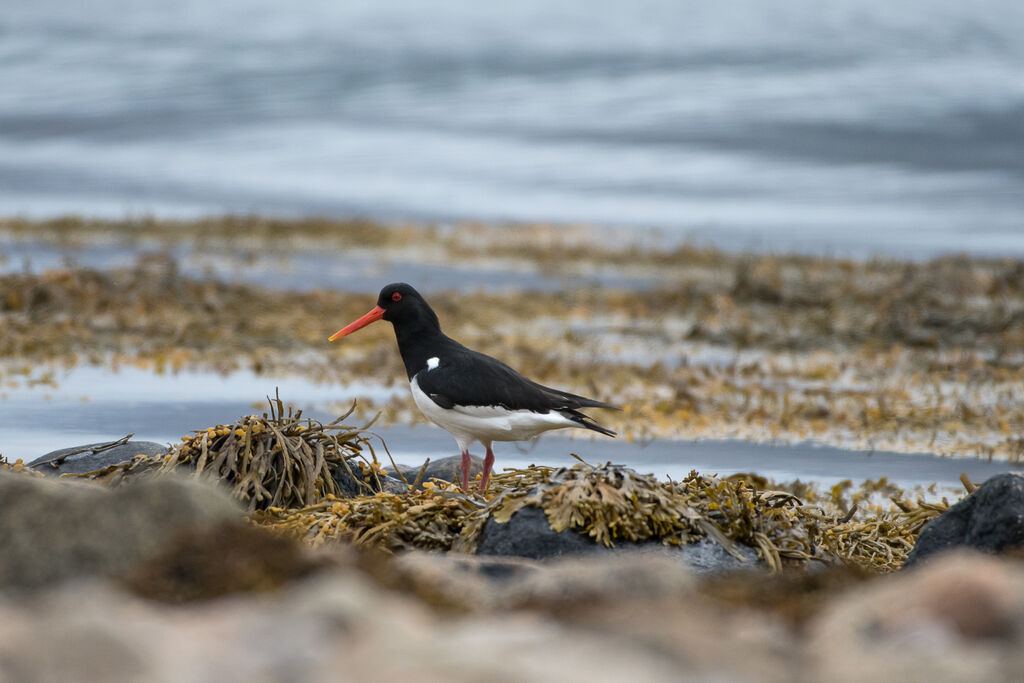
<point x="278" y="460"/>
<point x="613" y="504"/>
<point x="429" y="519"/>
<point x="18" y="466"/>
<point x="880" y="541"/>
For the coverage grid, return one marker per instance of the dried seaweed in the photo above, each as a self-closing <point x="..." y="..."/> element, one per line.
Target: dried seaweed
<point x="611" y="504"/>
<point x="278" y="460"/>
<point x="18" y="467"/>
<point x="428" y="519"/>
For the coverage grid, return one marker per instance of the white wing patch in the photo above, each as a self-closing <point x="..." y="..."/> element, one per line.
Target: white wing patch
<point x="433" y="362"/>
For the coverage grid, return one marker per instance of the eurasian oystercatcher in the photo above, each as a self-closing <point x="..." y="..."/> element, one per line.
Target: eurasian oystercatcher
<point x="472" y="396"/>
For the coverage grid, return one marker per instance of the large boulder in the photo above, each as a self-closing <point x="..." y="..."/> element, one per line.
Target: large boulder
<point x="991" y="520"/>
<point x="94" y="456"/>
<point x="56" y="530"/>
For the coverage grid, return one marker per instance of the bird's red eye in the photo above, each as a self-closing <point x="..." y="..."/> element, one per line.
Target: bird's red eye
<point x="396" y="297"/>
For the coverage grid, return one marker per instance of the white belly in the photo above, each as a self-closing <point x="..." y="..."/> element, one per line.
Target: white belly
<point x="485" y="424"/>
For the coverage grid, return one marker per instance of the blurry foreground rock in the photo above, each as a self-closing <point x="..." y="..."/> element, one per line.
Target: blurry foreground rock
<point x="220" y="560"/>
<point x="52" y="531"/>
<point x="958" y="618"/>
<point x="423" y="617"/>
<point x="991" y="519"/>
<point x="343" y="625"/>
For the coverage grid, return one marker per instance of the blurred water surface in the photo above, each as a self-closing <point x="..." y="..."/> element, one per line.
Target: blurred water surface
<point x="98" y="405"/>
<point x="853" y="126"/>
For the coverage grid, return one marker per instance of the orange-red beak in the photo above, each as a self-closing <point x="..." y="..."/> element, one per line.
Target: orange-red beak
<point x="376" y="314"/>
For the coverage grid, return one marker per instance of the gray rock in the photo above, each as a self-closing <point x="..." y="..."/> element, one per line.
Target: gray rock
<point x="528" y="534"/>
<point x="51" y="531"/>
<point x="707" y="556"/>
<point x="349" y="487"/>
<point x="445" y="469"/>
<point x="93" y="456"/>
<point x="991" y="520"/>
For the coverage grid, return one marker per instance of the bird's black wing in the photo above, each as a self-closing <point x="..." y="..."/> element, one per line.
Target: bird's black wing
<point x="468" y="378"/>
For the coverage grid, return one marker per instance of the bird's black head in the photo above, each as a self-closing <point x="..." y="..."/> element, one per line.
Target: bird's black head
<point x="400" y="301"/>
<point x="399" y="304"/>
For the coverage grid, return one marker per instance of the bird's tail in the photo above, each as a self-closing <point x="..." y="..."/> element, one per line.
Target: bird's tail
<point x="587" y="422"/>
<point x="575" y="400"/>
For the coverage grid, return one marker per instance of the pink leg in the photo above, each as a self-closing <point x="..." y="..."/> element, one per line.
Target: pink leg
<point x="488" y="464"/>
<point x="465" y="470"/>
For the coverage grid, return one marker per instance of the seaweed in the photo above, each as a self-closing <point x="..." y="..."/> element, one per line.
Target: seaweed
<point x="279" y="459"/>
<point x="430" y="519"/>
<point x="869" y="355"/>
<point x="612" y="504"/>
<point x="18" y="467"/>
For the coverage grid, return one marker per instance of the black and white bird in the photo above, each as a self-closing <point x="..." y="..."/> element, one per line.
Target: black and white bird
<point x="472" y="396"/>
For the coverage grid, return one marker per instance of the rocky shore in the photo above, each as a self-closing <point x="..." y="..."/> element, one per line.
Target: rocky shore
<point x="161" y="567"/>
<point x="278" y="547"/>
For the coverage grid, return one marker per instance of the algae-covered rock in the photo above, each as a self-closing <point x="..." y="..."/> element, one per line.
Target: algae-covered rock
<point x="991" y="519"/>
<point x="51" y="531"/>
<point x="335" y="626"/>
<point x="94" y="456"/>
<point x="576" y="509"/>
<point x="528" y="534"/>
<point x="277" y="460"/>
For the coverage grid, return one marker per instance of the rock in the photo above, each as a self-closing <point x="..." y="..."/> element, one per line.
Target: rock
<point x="445" y="469"/>
<point x="51" y="531"/>
<point x="93" y="456"/>
<point x="485" y="583"/>
<point x="958" y="617"/>
<point x="991" y="520"/>
<point x="528" y="534"/>
<point x="222" y="560"/>
<point x="350" y="488"/>
<point x="335" y="626"/>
